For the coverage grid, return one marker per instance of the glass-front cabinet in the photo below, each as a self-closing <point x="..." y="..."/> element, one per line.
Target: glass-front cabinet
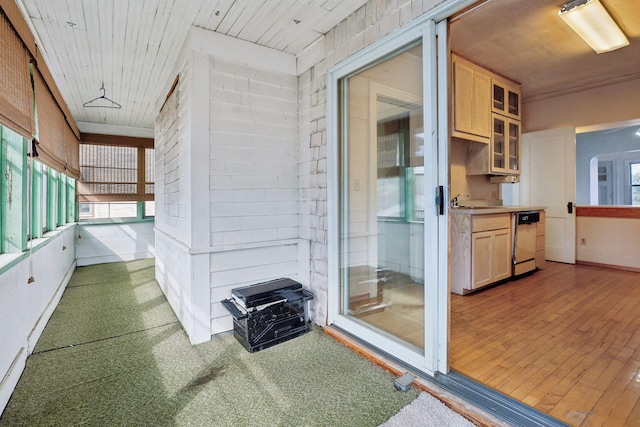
<point x="505" y="98"/>
<point x="505" y="145"/>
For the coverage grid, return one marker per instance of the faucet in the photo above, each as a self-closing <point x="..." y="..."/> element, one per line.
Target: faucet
<point x="456" y="200"/>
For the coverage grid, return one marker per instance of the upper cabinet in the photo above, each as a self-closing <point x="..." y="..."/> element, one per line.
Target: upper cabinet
<point x="486" y="108"/>
<point x="505" y="146"/>
<point x="471" y="101"/>
<point x="505" y="99"/>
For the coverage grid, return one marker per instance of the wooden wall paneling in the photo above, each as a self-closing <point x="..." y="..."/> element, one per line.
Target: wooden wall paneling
<point x="608" y="212"/>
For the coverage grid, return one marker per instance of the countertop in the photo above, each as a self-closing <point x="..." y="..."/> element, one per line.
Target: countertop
<point x="485" y="210"/>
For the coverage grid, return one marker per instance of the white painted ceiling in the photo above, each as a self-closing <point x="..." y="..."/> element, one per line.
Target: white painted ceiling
<point x="131" y="45"/>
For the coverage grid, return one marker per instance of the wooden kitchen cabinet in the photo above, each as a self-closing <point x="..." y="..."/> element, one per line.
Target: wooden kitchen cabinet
<point x="490" y="257"/>
<point x="502" y="155"/>
<point x="471" y="101"/>
<point x="505" y="146"/>
<point x="505" y="97"/>
<point x="486" y="110"/>
<point x="481" y="247"/>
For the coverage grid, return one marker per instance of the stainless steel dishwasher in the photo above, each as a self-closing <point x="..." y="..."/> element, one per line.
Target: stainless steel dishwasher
<point x="524" y="243"/>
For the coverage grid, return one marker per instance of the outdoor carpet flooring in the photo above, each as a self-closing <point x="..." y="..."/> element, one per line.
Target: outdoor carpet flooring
<point x="113" y="354"/>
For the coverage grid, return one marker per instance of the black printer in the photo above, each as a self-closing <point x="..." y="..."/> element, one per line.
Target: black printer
<point x="268" y="313"/>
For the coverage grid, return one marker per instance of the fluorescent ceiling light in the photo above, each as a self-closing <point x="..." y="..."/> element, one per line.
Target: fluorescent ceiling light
<point x="591" y="21"/>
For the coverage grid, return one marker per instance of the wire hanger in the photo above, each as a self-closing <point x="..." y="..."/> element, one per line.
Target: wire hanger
<point x="97" y="102"/>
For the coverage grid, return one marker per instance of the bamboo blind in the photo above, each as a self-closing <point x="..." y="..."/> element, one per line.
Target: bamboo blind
<point x="16" y="94"/>
<point x="116" y="169"/>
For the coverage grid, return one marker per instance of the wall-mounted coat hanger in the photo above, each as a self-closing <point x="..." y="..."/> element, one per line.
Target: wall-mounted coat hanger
<point x="102" y="101"/>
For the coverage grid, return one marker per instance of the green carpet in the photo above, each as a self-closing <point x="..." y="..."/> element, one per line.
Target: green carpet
<point x="114" y="354"/>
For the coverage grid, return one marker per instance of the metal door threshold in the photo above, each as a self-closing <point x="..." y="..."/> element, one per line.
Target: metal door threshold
<point x="492" y="401"/>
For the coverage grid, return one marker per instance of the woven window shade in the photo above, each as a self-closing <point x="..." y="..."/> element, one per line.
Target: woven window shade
<point x="71" y="148"/>
<point x="16" y="93"/>
<point x="51" y="124"/>
<point x="113" y="173"/>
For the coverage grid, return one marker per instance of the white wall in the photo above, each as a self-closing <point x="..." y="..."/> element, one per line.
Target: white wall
<point x="227" y="178"/>
<point x="608" y="104"/>
<point x="608" y="241"/>
<point x="110" y="242"/>
<point x="25" y="308"/>
<point x="181" y="223"/>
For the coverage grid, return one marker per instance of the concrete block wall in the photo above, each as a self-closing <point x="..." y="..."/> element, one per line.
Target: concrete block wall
<point x="253" y="154"/>
<point x="370" y="23"/>
<point x="176" y="268"/>
<point x="236" y="117"/>
<point x="253" y="173"/>
<point x="171" y="163"/>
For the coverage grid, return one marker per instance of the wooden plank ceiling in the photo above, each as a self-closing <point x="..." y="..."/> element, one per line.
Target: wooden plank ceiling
<point x="130" y="46"/>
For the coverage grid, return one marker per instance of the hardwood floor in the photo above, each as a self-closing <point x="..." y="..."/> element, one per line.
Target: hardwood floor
<point x="403" y="315"/>
<point x="564" y="340"/>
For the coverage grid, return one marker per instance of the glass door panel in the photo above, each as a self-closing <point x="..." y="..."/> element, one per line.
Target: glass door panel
<point x="514" y="146"/>
<point x="498" y="147"/>
<point x="382" y="198"/>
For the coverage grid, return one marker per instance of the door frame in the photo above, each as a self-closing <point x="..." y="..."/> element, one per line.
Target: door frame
<point x="435" y="98"/>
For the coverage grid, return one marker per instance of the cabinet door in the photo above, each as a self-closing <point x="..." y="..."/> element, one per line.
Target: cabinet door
<point x="491" y="254"/>
<point x="505" y="145"/>
<point x="501" y="254"/>
<point x="513" y="146"/>
<point x="481" y="254"/>
<point x="498" y="153"/>
<point x="471" y="100"/>
<point x="505" y="98"/>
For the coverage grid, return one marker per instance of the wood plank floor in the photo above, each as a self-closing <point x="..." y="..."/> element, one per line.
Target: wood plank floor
<point x="564" y="340"/>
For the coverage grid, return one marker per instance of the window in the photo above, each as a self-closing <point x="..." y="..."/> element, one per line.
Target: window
<point x="117" y="179"/>
<point x="71" y="200"/>
<point x="635" y="183"/>
<point x="52" y="200"/>
<point x="62" y="200"/>
<point x="400" y="172"/>
<point x="36" y="200"/>
<point x="44" y="202"/>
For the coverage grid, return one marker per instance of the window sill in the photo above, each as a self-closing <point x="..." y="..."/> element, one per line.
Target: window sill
<point x="9" y="260"/>
<point x="108" y="221"/>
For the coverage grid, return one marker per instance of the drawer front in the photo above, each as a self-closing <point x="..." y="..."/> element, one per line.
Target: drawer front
<point x="540" y="231"/>
<point x="490" y="222"/>
<point x="540" y="243"/>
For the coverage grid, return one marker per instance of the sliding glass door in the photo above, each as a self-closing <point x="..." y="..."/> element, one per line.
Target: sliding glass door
<point x="386" y="247"/>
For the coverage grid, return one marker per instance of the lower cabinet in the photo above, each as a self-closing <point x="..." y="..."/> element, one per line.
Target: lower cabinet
<point x="481" y="248"/>
<point x="490" y="257"/>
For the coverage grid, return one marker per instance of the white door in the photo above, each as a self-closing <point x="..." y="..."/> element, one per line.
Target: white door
<point x="548" y="179"/>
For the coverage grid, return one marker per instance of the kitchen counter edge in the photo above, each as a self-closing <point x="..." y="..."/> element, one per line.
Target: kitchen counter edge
<point x="485" y="210"/>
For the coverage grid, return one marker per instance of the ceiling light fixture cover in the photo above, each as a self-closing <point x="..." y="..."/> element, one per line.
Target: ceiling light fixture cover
<point x="593" y="23"/>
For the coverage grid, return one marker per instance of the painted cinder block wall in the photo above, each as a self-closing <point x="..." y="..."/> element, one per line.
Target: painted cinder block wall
<point x="227" y="180"/>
